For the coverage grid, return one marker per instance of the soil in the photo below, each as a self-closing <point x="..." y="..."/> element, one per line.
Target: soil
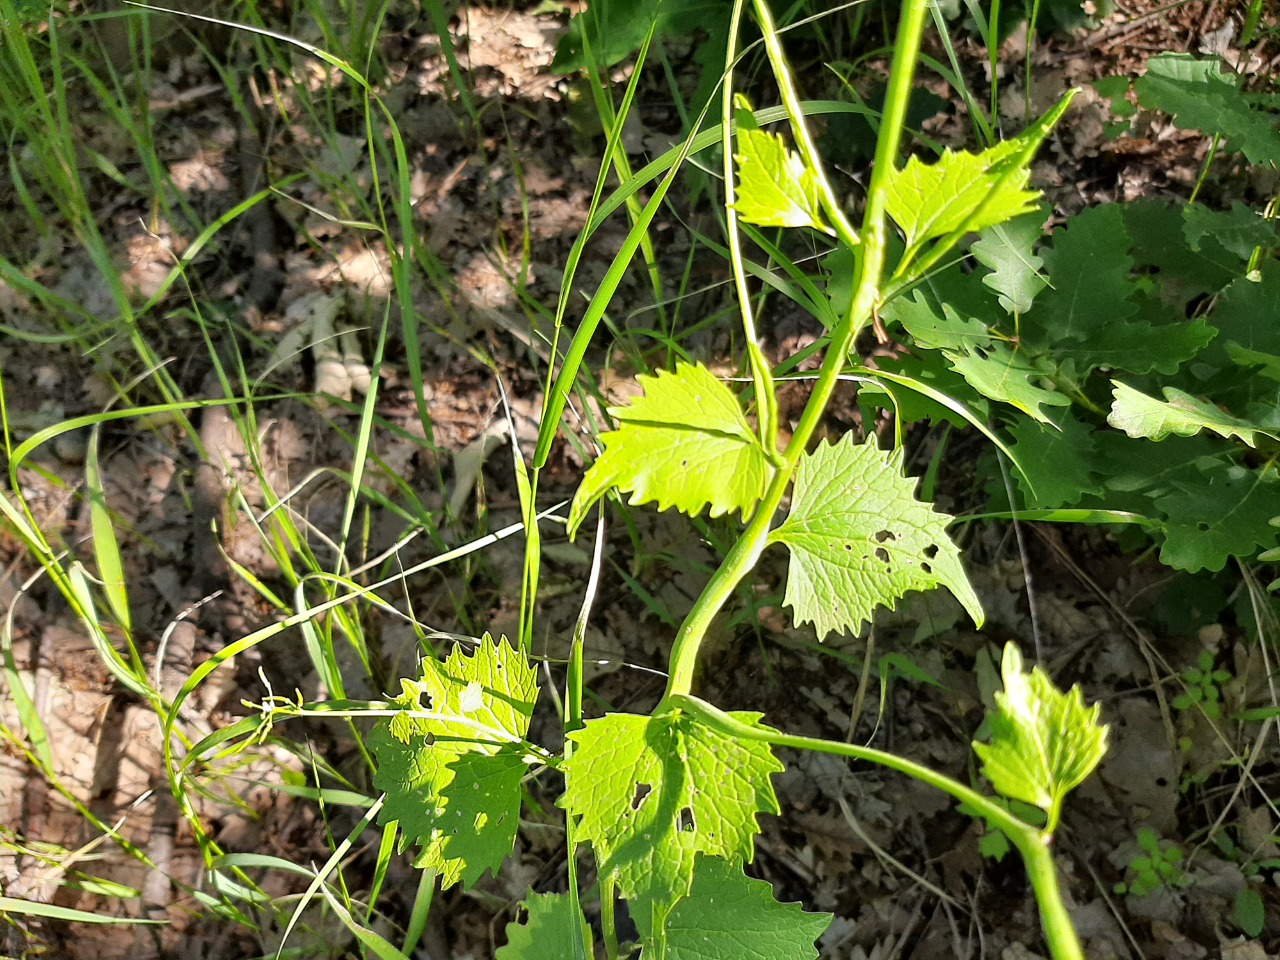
<point x="287" y="302"/>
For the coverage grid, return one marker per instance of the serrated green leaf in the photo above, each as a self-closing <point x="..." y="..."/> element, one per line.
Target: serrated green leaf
<point x="858" y="538"/>
<point x="775" y="187"/>
<point x="1179" y="413"/>
<point x="1200" y="95"/>
<point x="553" y="929"/>
<point x="1007" y="250"/>
<point x="1044" y="742"/>
<point x="942" y="330"/>
<point x="451" y="767"/>
<point x="965" y="192"/>
<point x="729" y="916"/>
<point x="685" y="444"/>
<point x="1226" y="514"/>
<point x="653" y="792"/>
<point x="960" y="191"/>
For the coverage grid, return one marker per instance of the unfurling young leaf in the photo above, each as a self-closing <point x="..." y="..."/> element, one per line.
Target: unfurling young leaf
<point x="858" y="537"/>
<point x="451" y="768"/>
<point x="685" y="444"/>
<point x="1044" y="742"/>
<point x="775" y="188"/>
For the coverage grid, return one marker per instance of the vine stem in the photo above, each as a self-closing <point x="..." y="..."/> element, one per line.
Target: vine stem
<point x="870" y="254"/>
<point x="1032" y="844"/>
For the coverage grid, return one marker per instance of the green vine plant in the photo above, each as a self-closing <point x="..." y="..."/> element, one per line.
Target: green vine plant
<point x="669" y="801"/>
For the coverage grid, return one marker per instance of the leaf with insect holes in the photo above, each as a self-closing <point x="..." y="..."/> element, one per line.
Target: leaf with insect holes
<point x="775" y="187"/>
<point x="650" y="793"/>
<point x="553" y="929"/>
<point x="1044" y="742"/>
<point x="1179" y="413"/>
<point x="858" y="537"/>
<point x="729" y="916"/>
<point x="685" y="443"/>
<point x="452" y="776"/>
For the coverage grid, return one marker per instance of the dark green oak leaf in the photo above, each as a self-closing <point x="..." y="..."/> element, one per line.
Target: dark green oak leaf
<point x="1240" y="230"/>
<point x="1138" y="346"/>
<point x="1091" y="289"/>
<point x="1227" y="514"/>
<point x="1245" y="316"/>
<point x="1058" y="460"/>
<point x="1201" y="95"/>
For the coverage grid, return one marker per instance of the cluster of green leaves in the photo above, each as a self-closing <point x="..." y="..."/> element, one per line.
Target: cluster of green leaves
<point x="669" y="802"/>
<point x="857" y="535"/>
<point x="1159" y="865"/>
<point x="1203" y="687"/>
<point x="1133" y="360"/>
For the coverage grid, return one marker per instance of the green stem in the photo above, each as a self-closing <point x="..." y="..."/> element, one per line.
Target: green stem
<point x="761" y="373"/>
<point x="1031" y="843"/>
<point x="742" y="558"/>
<point x="1059" y="932"/>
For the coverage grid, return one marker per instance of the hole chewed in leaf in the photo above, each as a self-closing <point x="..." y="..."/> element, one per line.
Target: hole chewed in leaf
<point x="642" y="790"/>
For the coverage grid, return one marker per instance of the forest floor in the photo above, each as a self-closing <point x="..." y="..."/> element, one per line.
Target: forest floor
<point x="500" y="198"/>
